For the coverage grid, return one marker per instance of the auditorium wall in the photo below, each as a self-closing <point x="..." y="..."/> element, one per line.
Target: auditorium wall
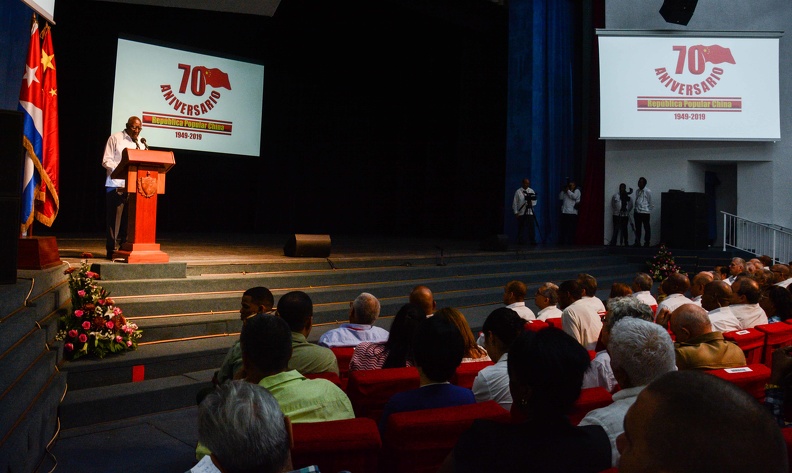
<point x="762" y="168"/>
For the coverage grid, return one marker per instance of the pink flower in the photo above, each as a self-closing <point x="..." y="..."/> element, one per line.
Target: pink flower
<point x="72" y="333"/>
<point x="116" y="311"/>
<point x="83" y="338"/>
<point x="101" y="302"/>
<point x="110" y="325"/>
<point x="78" y="313"/>
<point x="119" y="339"/>
<point x="91" y="274"/>
<point x="129" y="343"/>
<point x="68" y="347"/>
<point x="81" y="293"/>
<point x="86" y="325"/>
<point x="109" y="301"/>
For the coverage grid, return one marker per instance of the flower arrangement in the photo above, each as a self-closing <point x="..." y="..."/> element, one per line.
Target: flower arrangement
<point x="663" y="265"/>
<point x="95" y="326"/>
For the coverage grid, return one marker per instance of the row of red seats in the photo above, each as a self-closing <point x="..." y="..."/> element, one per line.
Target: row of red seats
<point x="759" y="342"/>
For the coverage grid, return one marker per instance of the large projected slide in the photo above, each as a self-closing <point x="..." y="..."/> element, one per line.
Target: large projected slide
<point x="689" y="85"/>
<point x="188" y="100"/>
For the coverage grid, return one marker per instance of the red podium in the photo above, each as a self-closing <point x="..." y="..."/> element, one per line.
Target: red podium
<point x="144" y="171"/>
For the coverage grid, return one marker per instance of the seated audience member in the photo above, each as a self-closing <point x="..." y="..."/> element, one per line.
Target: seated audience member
<point x="619" y="290"/>
<point x="675" y="286"/>
<point x="736" y="268"/>
<point x="782" y="275"/>
<point x="473" y="352"/>
<point x="779" y="384"/>
<point x="501" y="328"/>
<point x="764" y="278"/>
<point x="422" y="297"/>
<point x="396" y="352"/>
<point x="243" y="426"/>
<point x="766" y="261"/>
<point x="579" y="319"/>
<point x="642" y="286"/>
<point x="715" y="300"/>
<point x="600" y="373"/>
<point x="438" y="350"/>
<point x="697" y="346"/>
<point x="296" y="309"/>
<point x="777" y="304"/>
<point x="588" y="284"/>
<point x="256" y="300"/>
<point x="546" y="299"/>
<point x="363" y="312"/>
<point x="545" y="371"/>
<point x="641" y="351"/>
<point x="695" y="422"/>
<point x="514" y="299"/>
<point x="697" y="286"/>
<point x="745" y="305"/>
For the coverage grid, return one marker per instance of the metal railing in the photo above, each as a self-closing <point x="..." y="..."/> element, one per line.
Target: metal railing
<point x="757" y="238"/>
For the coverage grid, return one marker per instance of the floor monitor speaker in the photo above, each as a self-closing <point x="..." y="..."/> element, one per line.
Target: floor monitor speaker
<point x="310" y="246"/>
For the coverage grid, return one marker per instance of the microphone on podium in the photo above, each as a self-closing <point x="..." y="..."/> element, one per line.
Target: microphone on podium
<point x="137" y="145"/>
<point x="143" y="140"/>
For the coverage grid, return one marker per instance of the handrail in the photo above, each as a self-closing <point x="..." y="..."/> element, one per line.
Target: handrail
<point x="757" y="238"/>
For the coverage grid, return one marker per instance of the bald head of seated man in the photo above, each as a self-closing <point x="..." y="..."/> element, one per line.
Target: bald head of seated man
<point x="422" y="297"/>
<point x="697" y="346"/>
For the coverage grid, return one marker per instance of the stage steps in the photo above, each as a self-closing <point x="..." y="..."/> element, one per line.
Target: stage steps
<point x="189" y="323"/>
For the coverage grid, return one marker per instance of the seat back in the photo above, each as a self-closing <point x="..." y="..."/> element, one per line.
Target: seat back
<point x="555" y="322"/>
<point x="751" y="342"/>
<point x="369" y="390"/>
<point x="751" y="378"/>
<point x="419" y="441"/>
<point x="536" y="325"/>
<point x="776" y="335"/>
<point x="343" y="356"/>
<point x="467" y="372"/>
<point x="590" y="399"/>
<point x="338" y="445"/>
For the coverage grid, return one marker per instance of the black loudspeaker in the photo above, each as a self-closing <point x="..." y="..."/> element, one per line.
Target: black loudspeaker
<point x="495" y="243"/>
<point x="312" y="246"/>
<point x="11" y="160"/>
<point x="678" y="11"/>
<point x="683" y="220"/>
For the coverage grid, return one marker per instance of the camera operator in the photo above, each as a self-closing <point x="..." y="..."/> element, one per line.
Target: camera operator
<point x="523" y="207"/>
<point x="622" y="205"/>
<point x="570" y="201"/>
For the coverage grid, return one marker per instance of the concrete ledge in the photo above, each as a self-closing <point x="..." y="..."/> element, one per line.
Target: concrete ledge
<point x="123" y="271"/>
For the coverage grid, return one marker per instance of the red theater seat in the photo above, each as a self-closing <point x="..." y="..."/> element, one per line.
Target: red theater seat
<point x="338" y="445"/>
<point x="419" y="441"/>
<point x="777" y="335"/>
<point x="787" y="432"/>
<point x="328" y="375"/>
<point x="590" y="399"/>
<point x="751" y="378"/>
<point x="369" y="390"/>
<point x="750" y="340"/>
<point x="343" y="355"/>
<point x="536" y="325"/>
<point x="467" y="372"/>
<point x="555" y="322"/>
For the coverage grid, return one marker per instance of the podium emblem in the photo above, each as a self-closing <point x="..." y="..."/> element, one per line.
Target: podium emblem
<point x="147" y="186"/>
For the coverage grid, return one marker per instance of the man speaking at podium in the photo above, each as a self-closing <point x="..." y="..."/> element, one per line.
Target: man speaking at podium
<point x="116" y="194"/>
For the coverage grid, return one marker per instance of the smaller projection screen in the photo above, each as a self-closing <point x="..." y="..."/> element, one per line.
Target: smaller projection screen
<point x="188" y="100"/>
<point x="674" y="85"/>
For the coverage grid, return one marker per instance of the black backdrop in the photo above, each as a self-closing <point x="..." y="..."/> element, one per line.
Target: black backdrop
<point x="379" y="117"/>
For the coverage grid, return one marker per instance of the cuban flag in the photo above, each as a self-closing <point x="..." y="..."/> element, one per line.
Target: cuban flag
<point x="30" y="104"/>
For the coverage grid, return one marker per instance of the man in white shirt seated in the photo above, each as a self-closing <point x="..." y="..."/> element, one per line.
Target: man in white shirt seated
<point x="675" y="286"/>
<point x="697" y="286"/>
<point x="745" y="304"/>
<point x="781" y="273"/>
<point x="736" y="267"/>
<point x="588" y="283"/>
<point x="716" y="300"/>
<point x="546" y="299"/>
<point x="600" y="373"/>
<point x="579" y="318"/>
<point x="363" y="311"/>
<point x="514" y="299"/>
<point x="501" y="329"/>
<point x="641" y="351"/>
<point x="642" y="286"/>
<point x="423" y="297"/>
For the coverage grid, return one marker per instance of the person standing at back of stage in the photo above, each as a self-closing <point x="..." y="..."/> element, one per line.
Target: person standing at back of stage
<point x="642" y="214"/>
<point x="523" y="207"/>
<point x="570" y="201"/>
<point x="115" y="189"/>
<point x="622" y="204"/>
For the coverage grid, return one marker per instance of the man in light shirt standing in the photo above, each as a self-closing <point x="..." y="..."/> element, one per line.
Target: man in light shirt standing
<point x="523" y="208"/>
<point x="642" y="214"/>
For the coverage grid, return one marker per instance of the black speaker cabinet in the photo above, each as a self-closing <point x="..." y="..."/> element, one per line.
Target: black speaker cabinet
<point x="683" y="220"/>
<point x="11" y="161"/>
<point x="495" y="243"/>
<point x="678" y="11"/>
<point x="311" y="246"/>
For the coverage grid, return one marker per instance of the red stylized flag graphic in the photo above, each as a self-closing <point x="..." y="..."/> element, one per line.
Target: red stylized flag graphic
<point x="717" y="54"/>
<point x="215" y="77"/>
<point x="47" y="199"/>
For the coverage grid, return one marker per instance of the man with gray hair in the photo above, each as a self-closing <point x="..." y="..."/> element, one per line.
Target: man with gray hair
<point x="736" y="267"/>
<point x="641" y="351"/>
<point x="244" y="427"/>
<point x="546" y="299"/>
<point x="600" y="373"/>
<point x="363" y="311"/>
